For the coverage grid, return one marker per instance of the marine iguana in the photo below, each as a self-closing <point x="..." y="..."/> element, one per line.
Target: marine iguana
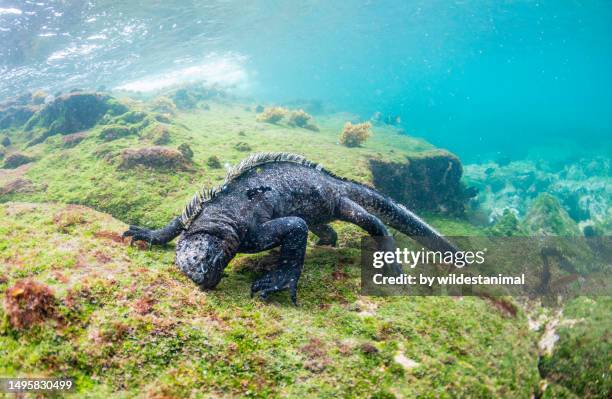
<point x="270" y="200"/>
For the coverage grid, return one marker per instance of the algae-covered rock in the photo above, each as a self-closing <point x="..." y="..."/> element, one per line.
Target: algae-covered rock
<point x="131" y="117"/>
<point x="19" y="185"/>
<point x="71" y="113"/>
<point x="15" y="115"/>
<point x="115" y="132"/>
<point x="73" y="139"/>
<point x="17" y="159"/>
<point x="188" y="97"/>
<point x="186" y="150"/>
<point x="242" y="146"/>
<point x="6" y="141"/>
<point x="163" y="105"/>
<point x="547" y="217"/>
<point x="581" y="187"/>
<point x="213" y="162"/>
<point x="160" y="135"/>
<point x="507" y="226"/>
<point x="38" y="97"/>
<point x="161" y="158"/>
<point x="428" y="181"/>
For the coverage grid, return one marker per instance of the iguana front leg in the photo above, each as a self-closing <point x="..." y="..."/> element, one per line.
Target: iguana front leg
<point x="159" y="236"/>
<point x="291" y="234"/>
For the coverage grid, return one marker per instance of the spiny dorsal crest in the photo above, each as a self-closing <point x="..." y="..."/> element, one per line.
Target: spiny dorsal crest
<point x="194" y="207"/>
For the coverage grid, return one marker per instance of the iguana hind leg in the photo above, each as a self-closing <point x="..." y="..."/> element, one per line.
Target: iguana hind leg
<point x="291" y="234"/>
<point x="350" y="211"/>
<point x="327" y="235"/>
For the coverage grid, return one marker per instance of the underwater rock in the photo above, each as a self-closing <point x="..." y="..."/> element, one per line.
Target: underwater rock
<point x="131" y="117"/>
<point x="213" y="162"/>
<point x="155" y="157"/>
<point x="73" y="139"/>
<point x="18" y="185"/>
<point x="428" y="181"/>
<point x="547" y="217"/>
<point x="16" y="115"/>
<point x="39" y="97"/>
<point x="507" y="226"/>
<point x="2" y="152"/>
<point x="187" y="98"/>
<point x="184" y="99"/>
<point x="115" y="132"/>
<point x="164" y="105"/>
<point x="259" y="109"/>
<point x="355" y="135"/>
<point x="242" y="146"/>
<point x="71" y="113"/>
<point x="17" y="159"/>
<point x="581" y="187"/>
<point x="186" y="151"/>
<point x="6" y="141"/>
<point x="28" y="303"/>
<point x="160" y="135"/>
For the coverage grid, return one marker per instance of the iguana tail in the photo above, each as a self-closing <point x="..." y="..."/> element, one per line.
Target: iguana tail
<point x="399" y="217"/>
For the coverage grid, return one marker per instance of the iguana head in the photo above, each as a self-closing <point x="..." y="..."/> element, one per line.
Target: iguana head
<point x="202" y="258"/>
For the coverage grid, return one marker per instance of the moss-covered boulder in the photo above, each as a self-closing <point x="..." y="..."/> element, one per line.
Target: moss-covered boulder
<point x="186" y="150"/>
<point x="547" y="217"/>
<point x="214" y="162"/>
<point x="114" y="132"/>
<point x="15" y="115"/>
<point x="73" y="139"/>
<point x="71" y="113"/>
<point x="161" y="158"/>
<point x="427" y="181"/>
<point x="17" y="159"/>
<point x="19" y="185"/>
<point x="160" y="134"/>
<point x="507" y="226"/>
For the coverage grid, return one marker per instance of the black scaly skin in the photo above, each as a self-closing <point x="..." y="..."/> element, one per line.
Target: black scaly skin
<point x="275" y="204"/>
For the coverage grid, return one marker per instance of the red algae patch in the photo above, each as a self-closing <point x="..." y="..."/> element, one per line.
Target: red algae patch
<point x="28" y="303"/>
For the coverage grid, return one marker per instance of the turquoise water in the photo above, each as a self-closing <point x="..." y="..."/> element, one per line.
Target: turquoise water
<point x="485" y="79"/>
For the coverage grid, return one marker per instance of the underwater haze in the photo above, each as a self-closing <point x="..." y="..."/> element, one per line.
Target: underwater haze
<point x="485" y="79"/>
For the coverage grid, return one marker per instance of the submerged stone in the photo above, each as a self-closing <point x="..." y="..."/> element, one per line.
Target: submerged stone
<point x="71" y="113"/>
<point x="17" y="159"/>
<point x="547" y="217"/>
<point x="155" y="157"/>
<point x="16" y="115"/>
<point x="428" y="181"/>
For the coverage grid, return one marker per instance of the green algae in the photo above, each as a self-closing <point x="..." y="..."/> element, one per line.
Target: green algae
<point x="132" y="325"/>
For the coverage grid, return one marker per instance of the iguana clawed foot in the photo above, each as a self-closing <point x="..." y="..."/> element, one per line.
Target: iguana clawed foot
<point x="275" y="281"/>
<point x="139" y="234"/>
